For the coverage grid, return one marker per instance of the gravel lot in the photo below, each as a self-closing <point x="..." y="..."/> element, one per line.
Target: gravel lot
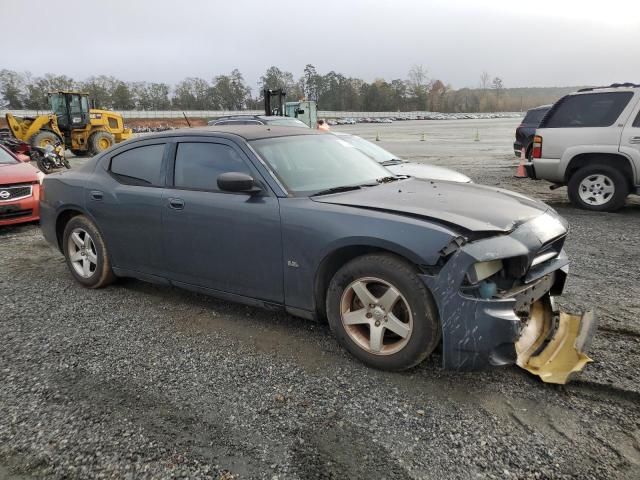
<point x="140" y="381"/>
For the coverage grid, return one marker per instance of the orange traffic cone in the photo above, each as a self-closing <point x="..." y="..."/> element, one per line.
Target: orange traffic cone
<point x="521" y="172"/>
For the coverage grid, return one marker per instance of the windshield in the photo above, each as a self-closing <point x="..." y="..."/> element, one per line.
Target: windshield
<point x="379" y="154"/>
<point x="287" y="122"/>
<point x="308" y="164"/>
<point x="58" y="104"/>
<point x="5" y="157"/>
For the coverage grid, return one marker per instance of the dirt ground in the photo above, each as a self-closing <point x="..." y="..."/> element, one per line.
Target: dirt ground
<point x="141" y="381"/>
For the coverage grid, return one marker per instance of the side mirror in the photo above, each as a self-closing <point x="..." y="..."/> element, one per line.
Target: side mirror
<point x="23" y="158"/>
<point x="300" y="111"/>
<point x="237" y="182"/>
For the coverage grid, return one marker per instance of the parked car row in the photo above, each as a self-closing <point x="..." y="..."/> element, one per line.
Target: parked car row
<point x="154" y="129"/>
<point x="427" y="116"/>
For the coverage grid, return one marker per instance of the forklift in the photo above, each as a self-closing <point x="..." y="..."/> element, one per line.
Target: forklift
<point x="275" y="104"/>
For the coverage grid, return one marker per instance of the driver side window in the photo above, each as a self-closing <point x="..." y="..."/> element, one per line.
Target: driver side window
<point x="198" y="165"/>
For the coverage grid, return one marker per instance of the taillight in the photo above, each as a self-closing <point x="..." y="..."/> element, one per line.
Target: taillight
<point x="537" y="147"/>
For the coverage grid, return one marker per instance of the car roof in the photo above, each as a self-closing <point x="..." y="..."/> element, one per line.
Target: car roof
<point x="248" y="132"/>
<point x="541" y="107"/>
<point x="249" y="115"/>
<point x="238" y="117"/>
<point x="615" y="87"/>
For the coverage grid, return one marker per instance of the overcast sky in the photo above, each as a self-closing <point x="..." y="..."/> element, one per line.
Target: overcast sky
<point x="527" y="43"/>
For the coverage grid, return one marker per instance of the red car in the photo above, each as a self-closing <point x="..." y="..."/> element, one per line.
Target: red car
<point x="20" y="187"/>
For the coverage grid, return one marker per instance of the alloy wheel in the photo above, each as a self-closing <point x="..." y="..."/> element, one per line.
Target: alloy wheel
<point x="376" y="316"/>
<point x="82" y="253"/>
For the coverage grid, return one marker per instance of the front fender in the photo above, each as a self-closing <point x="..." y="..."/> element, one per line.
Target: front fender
<point x="311" y="232"/>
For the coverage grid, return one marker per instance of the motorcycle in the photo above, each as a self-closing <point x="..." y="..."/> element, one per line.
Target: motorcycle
<point x="50" y="157"/>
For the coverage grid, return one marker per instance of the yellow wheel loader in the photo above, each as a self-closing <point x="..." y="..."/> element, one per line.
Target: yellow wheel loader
<point x="81" y="129"/>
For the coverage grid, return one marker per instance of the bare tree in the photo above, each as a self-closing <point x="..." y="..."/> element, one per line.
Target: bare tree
<point x="418" y="76"/>
<point x="484" y="81"/>
<point x="498" y="86"/>
<point x="418" y="86"/>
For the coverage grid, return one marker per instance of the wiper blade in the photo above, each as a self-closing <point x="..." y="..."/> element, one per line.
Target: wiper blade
<point x="343" y="188"/>
<point x="387" y="179"/>
<point x="392" y="161"/>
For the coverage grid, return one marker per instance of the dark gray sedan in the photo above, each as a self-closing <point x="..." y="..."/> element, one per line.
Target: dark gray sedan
<point x="287" y="218"/>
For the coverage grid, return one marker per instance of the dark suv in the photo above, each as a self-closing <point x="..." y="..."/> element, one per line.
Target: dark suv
<point x="527" y="129"/>
<point x="258" y="120"/>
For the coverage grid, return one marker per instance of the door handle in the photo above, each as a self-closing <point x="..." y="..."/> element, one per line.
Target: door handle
<point x="96" y="194"/>
<point x="176" y="203"/>
<point x="634" y="140"/>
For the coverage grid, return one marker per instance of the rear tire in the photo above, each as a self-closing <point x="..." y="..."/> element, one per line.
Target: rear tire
<point x="598" y="187"/>
<point x="101" y="141"/>
<point x="86" y="253"/>
<point x="44" y="165"/>
<point x="395" y="334"/>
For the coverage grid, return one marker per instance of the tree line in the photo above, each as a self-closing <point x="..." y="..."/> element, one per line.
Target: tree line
<point x="332" y="91"/>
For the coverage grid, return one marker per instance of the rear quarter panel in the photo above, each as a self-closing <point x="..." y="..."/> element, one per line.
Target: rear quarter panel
<point x="62" y="191"/>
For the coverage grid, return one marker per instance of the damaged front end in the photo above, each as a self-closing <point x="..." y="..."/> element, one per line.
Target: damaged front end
<point x="496" y="302"/>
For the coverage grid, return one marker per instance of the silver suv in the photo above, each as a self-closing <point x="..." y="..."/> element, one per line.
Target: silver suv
<point x="590" y="141"/>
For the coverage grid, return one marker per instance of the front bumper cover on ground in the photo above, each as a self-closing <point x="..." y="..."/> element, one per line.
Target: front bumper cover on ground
<point x="553" y="344"/>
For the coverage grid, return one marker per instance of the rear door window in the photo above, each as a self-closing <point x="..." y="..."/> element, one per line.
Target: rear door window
<point x="198" y="165"/>
<point x="139" y="166"/>
<point x="534" y="117"/>
<point x="588" y="110"/>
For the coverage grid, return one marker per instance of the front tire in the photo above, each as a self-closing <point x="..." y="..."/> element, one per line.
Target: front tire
<point x="600" y="188"/>
<point x="382" y="313"/>
<point x="44" y="138"/>
<point x="86" y="253"/>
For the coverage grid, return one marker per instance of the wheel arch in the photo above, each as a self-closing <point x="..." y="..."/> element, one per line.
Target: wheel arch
<point x="611" y="159"/>
<point x="338" y="257"/>
<point x="62" y="219"/>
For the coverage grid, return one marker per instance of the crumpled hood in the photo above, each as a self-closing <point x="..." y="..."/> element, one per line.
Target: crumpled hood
<point x="476" y="208"/>
<point x="17" y="173"/>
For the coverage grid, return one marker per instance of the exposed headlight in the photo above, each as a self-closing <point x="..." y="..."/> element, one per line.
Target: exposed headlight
<point x="40" y="177"/>
<point x="481" y="270"/>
